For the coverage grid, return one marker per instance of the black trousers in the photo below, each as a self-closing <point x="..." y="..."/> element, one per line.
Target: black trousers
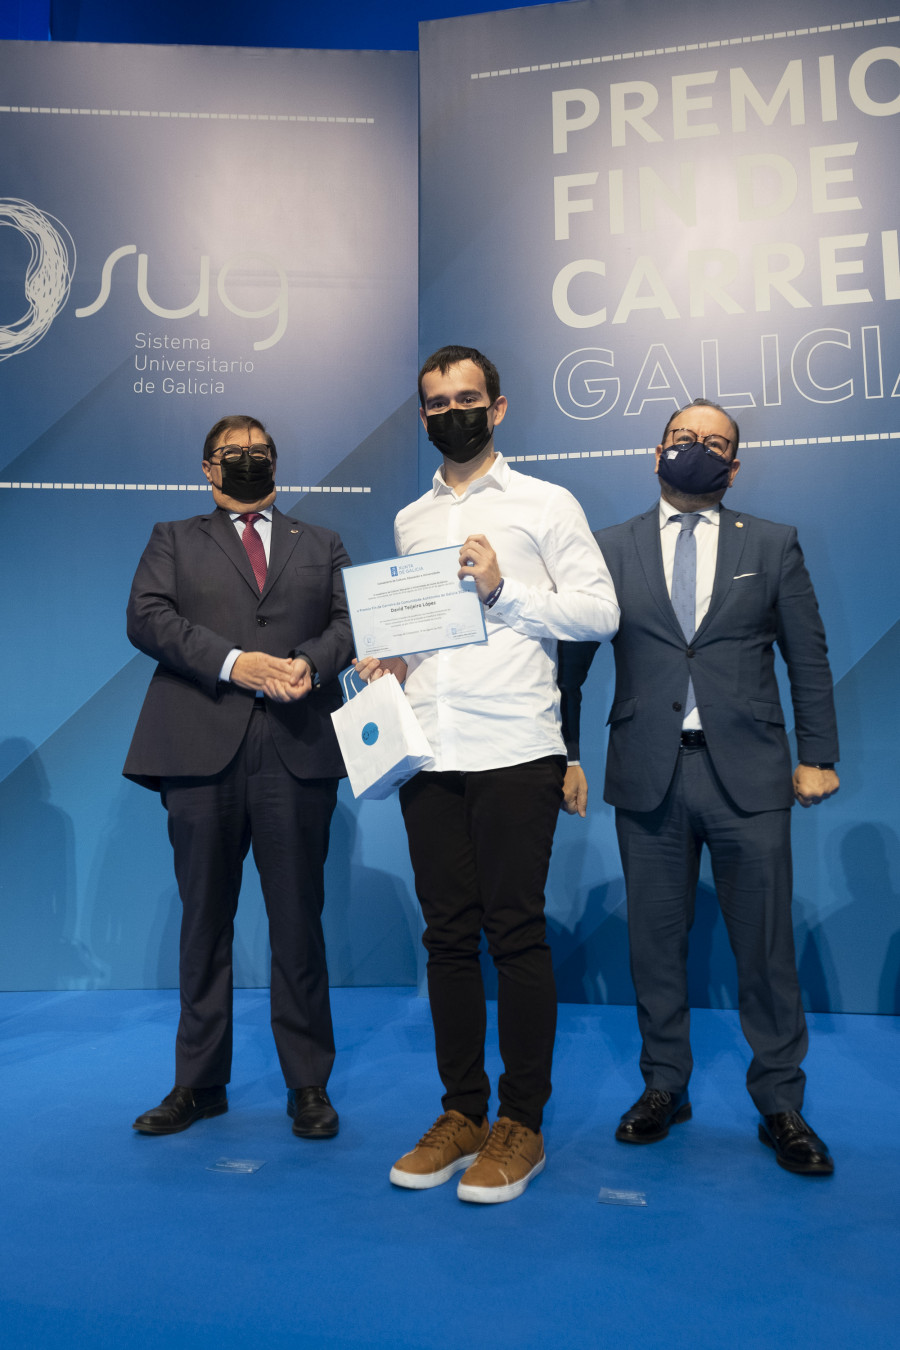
<point x="212" y="824"/>
<point x="480" y="846"/>
<point x="751" y="863"/>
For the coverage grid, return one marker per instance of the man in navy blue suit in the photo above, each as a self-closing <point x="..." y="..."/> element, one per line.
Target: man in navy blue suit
<point x="243" y="609"/>
<point x="698" y="754"/>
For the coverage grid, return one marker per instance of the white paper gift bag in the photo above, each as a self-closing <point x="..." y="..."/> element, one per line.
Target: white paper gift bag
<point x="380" y="739"/>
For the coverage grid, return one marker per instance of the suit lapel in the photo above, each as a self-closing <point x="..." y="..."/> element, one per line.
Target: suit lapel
<point x="728" y="556"/>
<point x="286" y="534"/>
<point x="649" y="551"/>
<point x="221" y="530"/>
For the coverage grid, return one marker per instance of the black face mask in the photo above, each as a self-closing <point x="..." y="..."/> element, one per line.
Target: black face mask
<point x="247" y="480"/>
<point x="460" y="433"/>
<point x="693" y="470"/>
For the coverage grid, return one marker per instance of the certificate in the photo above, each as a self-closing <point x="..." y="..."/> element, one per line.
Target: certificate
<point x="412" y="604"/>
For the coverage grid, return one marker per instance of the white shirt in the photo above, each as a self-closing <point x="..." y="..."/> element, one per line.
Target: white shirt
<point x="493" y="704"/>
<point x="706" y="533"/>
<point x="263" y="528"/>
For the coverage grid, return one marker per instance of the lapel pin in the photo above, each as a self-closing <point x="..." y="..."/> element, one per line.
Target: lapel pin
<point x="739" y="524"/>
<point x="295" y="531"/>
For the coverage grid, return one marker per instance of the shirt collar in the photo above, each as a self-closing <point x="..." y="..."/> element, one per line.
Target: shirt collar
<point x="266" y="514"/>
<point x="667" y="511"/>
<point x="497" y="476"/>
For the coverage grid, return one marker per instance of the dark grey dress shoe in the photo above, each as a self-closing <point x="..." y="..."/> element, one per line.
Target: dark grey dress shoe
<point x="797" y="1146"/>
<point x="312" y="1113"/>
<point x="652" y="1114"/>
<point x="181" y="1108"/>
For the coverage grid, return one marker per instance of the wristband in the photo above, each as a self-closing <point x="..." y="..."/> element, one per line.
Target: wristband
<point x="494" y="596"/>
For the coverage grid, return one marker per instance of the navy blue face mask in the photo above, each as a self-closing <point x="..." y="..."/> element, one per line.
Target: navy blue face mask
<point x="693" y="470"/>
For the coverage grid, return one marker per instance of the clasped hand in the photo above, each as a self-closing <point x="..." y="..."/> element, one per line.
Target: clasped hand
<point x="282" y="678"/>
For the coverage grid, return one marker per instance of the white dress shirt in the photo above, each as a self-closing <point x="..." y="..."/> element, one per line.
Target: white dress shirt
<point x="493" y="704"/>
<point x="263" y="528"/>
<point x="706" y="533"/>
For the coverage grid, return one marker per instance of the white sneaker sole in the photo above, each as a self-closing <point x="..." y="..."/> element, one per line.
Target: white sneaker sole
<point x="495" y="1195"/>
<point x="423" y="1181"/>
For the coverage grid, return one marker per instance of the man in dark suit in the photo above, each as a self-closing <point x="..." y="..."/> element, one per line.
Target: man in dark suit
<point x="698" y="754"/>
<point x="244" y="610"/>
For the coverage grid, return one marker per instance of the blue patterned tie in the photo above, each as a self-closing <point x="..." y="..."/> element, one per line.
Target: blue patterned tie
<point x="684" y="587"/>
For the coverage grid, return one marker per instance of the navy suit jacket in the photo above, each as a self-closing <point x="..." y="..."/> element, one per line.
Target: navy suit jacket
<point x="193" y="599"/>
<point x="762" y="596"/>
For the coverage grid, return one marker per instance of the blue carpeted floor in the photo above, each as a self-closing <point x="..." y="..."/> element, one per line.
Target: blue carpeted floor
<point x="113" y="1240"/>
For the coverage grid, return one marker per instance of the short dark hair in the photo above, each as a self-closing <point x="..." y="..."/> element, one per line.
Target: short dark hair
<point x="445" y="357"/>
<point x="236" y="422"/>
<point x="705" y="403"/>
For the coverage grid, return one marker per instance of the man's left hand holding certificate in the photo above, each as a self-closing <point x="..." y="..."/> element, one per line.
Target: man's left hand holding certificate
<point x="416" y="603"/>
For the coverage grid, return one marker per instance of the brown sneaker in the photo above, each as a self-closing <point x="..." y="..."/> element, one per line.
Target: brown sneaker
<point x="451" y="1144"/>
<point x="510" y="1158"/>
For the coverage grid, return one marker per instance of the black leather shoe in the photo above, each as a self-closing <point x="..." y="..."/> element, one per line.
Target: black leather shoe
<point x="181" y="1108"/>
<point x="797" y="1147"/>
<point x="652" y="1114"/>
<point x="313" y="1115"/>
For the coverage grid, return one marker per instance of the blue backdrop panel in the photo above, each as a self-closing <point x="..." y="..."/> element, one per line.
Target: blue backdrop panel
<point x="627" y="206"/>
<point x="188" y="232"/>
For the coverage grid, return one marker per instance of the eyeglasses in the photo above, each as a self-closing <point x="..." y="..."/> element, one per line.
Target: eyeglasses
<point x="718" y="445"/>
<point x="230" y="454"/>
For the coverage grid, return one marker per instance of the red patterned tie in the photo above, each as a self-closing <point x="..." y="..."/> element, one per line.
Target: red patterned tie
<point x="254" y="546"/>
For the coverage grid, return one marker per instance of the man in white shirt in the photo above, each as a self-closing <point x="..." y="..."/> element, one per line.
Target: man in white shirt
<point x="698" y="755"/>
<point x="481" y="820"/>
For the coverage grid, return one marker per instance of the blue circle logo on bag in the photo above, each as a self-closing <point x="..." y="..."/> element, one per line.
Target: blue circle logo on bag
<point x="370" y="733"/>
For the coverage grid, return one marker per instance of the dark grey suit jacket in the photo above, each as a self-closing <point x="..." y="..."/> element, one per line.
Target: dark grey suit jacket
<point x="762" y="596"/>
<point x="193" y="599"/>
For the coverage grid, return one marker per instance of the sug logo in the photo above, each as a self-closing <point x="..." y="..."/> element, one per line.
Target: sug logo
<point x="48" y="277"/>
<point x="245" y="266"/>
<point x="48" y="281"/>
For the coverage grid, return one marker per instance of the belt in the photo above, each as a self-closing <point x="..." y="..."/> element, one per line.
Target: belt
<point x="693" y="740"/>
